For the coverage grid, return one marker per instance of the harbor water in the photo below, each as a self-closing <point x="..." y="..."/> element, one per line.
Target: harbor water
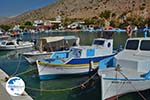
<point x="65" y="88"/>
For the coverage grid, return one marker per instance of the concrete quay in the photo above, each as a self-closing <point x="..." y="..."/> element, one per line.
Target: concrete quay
<point x="4" y="94"/>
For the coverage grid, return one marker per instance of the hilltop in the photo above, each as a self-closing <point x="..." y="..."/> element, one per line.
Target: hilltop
<point x="82" y="9"/>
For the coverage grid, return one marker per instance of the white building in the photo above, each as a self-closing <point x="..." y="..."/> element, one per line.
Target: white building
<point x="38" y="22"/>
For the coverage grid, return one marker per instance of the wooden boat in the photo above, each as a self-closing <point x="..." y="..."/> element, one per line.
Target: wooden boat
<point x="47" y="45"/>
<point x="75" y="61"/>
<point x="132" y="71"/>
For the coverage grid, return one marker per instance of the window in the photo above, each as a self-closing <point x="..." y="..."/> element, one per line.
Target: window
<point x="132" y="44"/>
<point x="10" y="43"/>
<point x="98" y="42"/>
<point x="109" y="44"/>
<point x="90" y="52"/>
<point x="145" y="45"/>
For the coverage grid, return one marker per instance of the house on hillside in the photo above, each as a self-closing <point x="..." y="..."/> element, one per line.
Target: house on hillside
<point x="45" y="25"/>
<point x="37" y="23"/>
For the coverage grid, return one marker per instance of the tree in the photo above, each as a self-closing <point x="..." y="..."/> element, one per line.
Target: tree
<point x="89" y="21"/>
<point x="67" y="21"/>
<point x="22" y="27"/>
<point x="52" y="19"/>
<point x="105" y="14"/>
<point x="5" y="27"/>
<point x="28" y="23"/>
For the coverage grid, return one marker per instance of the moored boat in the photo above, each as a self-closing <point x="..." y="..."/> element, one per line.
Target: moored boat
<point x="75" y="61"/>
<point x="132" y="71"/>
<point x="47" y="45"/>
<point x="15" y="44"/>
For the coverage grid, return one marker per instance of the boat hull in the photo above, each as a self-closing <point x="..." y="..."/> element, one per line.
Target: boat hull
<point x="15" y="47"/>
<point x="50" y="71"/>
<point x="32" y="57"/>
<point x="112" y="88"/>
<point x="55" y="72"/>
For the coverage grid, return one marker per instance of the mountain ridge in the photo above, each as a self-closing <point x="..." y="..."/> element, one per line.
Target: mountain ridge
<point x="82" y="9"/>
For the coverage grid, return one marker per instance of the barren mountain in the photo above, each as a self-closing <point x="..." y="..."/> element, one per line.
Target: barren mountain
<point x="84" y="9"/>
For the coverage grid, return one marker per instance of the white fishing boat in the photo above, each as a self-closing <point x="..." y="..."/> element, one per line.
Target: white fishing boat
<point x="75" y="61"/>
<point x="15" y="44"/>
<point x="132" y="71"/>
<point x="47" y="45"/>
<point x="4" y="37"/>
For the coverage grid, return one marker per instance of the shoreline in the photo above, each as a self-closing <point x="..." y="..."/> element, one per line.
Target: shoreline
<point x="4" y="95"/>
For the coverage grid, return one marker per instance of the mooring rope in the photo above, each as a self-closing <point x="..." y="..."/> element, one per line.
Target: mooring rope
<point x="118" y="70"/>
<point x="82" y="85"/>
<point x="17" y="66"/>
<point x="25" y="72"/>
<point x="132" y="85"/>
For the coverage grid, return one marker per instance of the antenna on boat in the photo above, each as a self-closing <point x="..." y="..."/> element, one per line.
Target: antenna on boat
<point x="146" y="30"/>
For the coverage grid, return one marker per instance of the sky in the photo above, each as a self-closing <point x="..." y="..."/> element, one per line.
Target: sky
<point x="16" y="7"/>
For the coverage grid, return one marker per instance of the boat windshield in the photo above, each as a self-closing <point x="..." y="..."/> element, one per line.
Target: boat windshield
<point x="3" y="43"/>
<point x="98" y="42"/>
<point x="145" y="45"/>
<point x="132" y="44"/>
<point x="10" y="43"/>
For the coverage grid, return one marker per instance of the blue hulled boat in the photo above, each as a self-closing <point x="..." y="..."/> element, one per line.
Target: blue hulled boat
<point x="78" y="60"/>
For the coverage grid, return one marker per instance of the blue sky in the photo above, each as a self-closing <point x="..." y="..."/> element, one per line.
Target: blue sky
<point x="16" y="7"/>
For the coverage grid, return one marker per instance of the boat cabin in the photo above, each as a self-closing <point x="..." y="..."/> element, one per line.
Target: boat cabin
<point x="136" y="54"/>
<point x="99" y="47"/>
<point x="56" y="43"/>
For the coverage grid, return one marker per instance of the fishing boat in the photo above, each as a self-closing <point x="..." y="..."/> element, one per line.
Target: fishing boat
<point x="15" y="44"/>
<point x="47" y="45"/>
<point x="131" y="71"/>
<point x="76" y="61"/>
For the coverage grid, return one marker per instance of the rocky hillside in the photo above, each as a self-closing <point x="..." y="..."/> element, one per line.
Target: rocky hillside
<point x="85" y="9"/>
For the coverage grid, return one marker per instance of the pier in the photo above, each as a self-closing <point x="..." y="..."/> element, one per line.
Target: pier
<point x="4" y="95"/>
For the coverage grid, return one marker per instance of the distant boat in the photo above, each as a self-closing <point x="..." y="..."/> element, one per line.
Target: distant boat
<point x="15" y="44"/>
<point x="47" y="45"/>
<point x="75" y="61"/>
<point x="4" y="37"/>
<point x="115" y="30"/>
<point x="132" y="71"/>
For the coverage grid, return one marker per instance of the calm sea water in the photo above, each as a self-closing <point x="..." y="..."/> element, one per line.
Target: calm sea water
<point x="13" y="63"/>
